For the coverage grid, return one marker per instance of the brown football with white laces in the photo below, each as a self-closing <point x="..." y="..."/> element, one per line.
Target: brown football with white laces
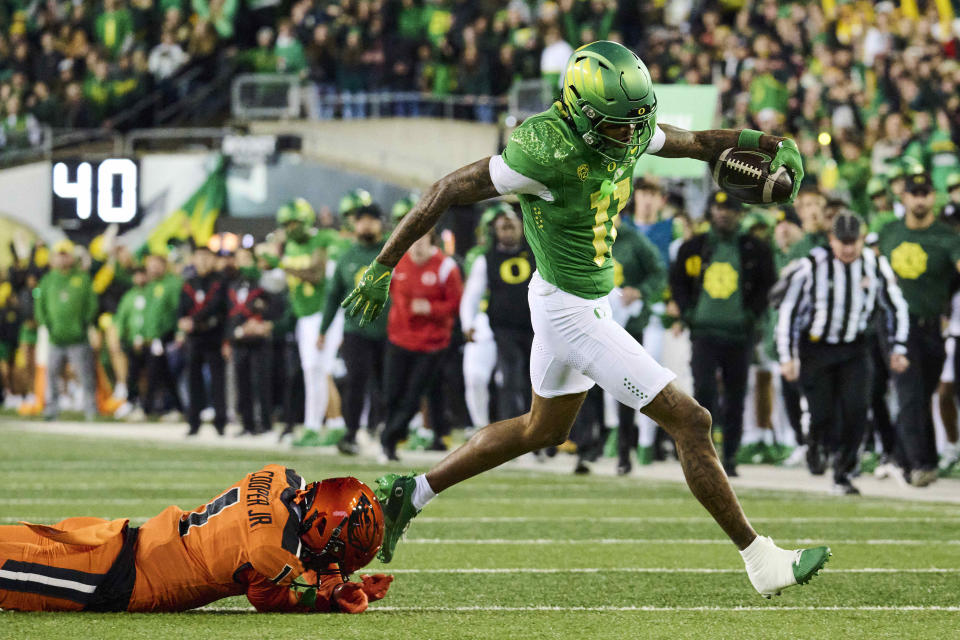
<point x="745" y="175"/>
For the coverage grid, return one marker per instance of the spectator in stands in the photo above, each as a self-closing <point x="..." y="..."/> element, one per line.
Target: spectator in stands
<point x="425" y="292"/>
<point x="66" y="305"/>
<point x="720" y="282"/>
<point x="202" y="315"/>
<point x="114" y="27"/>
<point x="20" y="130"/>
<point x="288" y="51"/>
<point x="167" y="57"/>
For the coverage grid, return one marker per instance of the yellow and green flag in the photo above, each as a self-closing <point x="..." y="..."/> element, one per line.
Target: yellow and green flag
<point x="196" y="217"/>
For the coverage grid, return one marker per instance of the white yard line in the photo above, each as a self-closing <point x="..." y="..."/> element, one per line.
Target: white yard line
<point x="639" y="609"/>
<point x="538" y="570"/>
<point x="682" y="519"/>
<point x="663" y="541"/>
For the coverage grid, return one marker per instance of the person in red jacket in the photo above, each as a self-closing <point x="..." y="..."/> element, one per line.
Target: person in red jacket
<point x="426" y="290"/>
<point x="287" y="545"/>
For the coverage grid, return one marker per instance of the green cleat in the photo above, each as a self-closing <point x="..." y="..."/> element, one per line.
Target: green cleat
<point x="309" y="438"/>
<point x="809" y="562"/>
<point x="644" y="455"/>
<point x="395" y="493"/>
<point x="330" y="437"/>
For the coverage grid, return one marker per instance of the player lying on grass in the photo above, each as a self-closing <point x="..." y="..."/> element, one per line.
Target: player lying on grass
<point x="572" y="169"/>
<point x="289" y="546"/>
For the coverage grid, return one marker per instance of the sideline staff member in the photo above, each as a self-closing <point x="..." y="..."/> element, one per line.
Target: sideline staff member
<point x="823" y="319"/>
<point x="924" y="252"/>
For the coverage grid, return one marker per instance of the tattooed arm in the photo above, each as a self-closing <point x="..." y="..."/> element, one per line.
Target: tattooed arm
<point x="706" y="145"/>
<point x="466" y="185"/>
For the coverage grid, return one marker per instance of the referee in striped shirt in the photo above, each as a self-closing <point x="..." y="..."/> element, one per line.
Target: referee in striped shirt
<point x="830" y="297"/>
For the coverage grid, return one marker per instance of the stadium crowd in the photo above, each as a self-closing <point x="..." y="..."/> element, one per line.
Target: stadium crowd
<point x="254" y="335"/>
<point x="802" y="67"/>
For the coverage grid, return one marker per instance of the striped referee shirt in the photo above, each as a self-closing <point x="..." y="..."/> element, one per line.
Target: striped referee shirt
<point x="830" y="302"/>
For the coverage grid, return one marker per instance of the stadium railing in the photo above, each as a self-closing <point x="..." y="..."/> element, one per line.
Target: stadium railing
<point x="286" y="96"/>
<point x="14" y="156"/>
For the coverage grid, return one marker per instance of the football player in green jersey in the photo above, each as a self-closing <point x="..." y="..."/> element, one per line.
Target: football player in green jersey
<point x="304" y="261"/>
<point x="571" y="167"/>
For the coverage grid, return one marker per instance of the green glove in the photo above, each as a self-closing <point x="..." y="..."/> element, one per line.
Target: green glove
<point x="369" y="296"/>
<point x="788" y="155"/>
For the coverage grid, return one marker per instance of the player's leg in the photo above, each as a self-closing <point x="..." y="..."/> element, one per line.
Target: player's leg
<point x="37" y="574"/>
<point x="546" y="425"/>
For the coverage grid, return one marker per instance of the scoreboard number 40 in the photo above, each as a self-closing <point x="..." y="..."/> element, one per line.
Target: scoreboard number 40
<point x="113" y="196"/>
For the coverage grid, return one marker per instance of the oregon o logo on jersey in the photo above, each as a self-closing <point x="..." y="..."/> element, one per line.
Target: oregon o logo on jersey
<point x="583" y="171"/>
<point x="515" y="270"/>
<point x="720" y="280"/>
<point x="909" y="260"/>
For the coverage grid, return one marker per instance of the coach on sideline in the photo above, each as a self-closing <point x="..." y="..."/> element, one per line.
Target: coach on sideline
<point x="822" y="321"/>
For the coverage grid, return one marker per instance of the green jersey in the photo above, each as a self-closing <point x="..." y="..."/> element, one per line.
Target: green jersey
<point x="131" y="317"/>
<point x="163" y="302"/>
<point x="571" y="229"/>
<point x="306" y="298"/>
<point x="66" y="304"/>
<point x="637" y="263"/>
<point x="719" y="311"/>
<point x="925" y="261"/>
<point x="350" y="267"/>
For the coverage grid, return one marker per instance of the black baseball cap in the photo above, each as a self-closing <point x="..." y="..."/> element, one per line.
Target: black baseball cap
<point x="788" y="214"/>
<point x="919" y="183"/>
<point x="847" y="227"/>
<point x="724" y="199"/>
<point x="368" y="210"/>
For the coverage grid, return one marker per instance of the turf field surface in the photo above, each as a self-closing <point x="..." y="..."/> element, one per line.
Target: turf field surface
<point x="520" y="554"/>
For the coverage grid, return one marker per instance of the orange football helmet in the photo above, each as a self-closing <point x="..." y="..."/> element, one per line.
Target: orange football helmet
<point x="342" y="524"/>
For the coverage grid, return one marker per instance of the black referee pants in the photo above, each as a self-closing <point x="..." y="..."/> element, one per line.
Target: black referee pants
<point x="915" y="388"/>
<point x="835" y="381"/>
<point x="732" y="360"/>
<point x="363" y="358"/>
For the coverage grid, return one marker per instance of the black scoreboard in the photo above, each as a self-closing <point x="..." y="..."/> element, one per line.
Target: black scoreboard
<point x="88" y="195"/>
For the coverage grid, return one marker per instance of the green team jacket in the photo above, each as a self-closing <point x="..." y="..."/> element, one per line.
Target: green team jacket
<point x="638" y="264"/>
<point x="66" y="304"/>
<point x="350" y="267"/>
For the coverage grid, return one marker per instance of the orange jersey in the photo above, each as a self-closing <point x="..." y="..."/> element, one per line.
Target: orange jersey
<point x="246" y="540"/>
<point x="188" y="559"/>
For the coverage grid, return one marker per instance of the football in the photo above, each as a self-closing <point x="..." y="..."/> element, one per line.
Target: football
<point x="745" y="175"/>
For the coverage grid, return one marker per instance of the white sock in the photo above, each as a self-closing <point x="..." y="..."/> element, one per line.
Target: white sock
<point x="756" y="551"/>
<point x="768" y="566"/>
<point x="422" y="493"/>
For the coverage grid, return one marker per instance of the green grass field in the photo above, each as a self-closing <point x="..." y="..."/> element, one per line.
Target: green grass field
<point x="522" y="555"/>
